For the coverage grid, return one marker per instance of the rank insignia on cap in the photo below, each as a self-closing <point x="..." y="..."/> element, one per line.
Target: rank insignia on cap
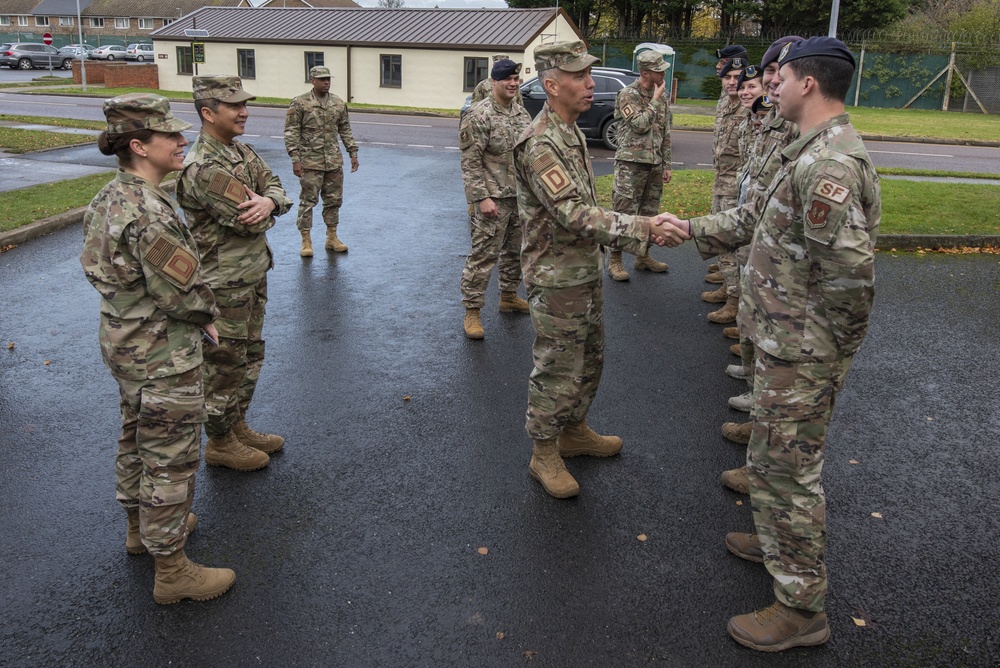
<point x="834" y="192"/>
<point x="817" y="214"/>
<point x="552" y="175"/>
<point x="737" y="63"/>
<point x="175" y="262"/>
<point x="226" y="186"/>
<point x="784" y="51"/>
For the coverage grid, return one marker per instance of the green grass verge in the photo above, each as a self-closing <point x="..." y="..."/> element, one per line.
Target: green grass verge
<point x="908" y="207"/>
<point x="925" y="123"/>
<point x="693" y="121"/>
<point x="52" y="120"/>
<point x="903" y="171"/>
<point x="26" y="205"/>
<point x="42" y="81"/>
<point x="24" y="141"/>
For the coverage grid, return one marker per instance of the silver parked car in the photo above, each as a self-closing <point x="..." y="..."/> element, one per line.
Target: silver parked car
<point x="108" y="52"/>
<point x="139" y="51"/>
<point x="72" y="52"/>
<point x="26" y="55"/>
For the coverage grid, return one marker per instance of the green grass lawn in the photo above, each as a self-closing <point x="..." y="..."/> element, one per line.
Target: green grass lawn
<point x="26" y="205"/>
<point x="23" y="141"/>
<point x="908" y="207"/>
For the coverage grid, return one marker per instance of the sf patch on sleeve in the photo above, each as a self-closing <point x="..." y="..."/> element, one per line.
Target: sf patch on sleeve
<point x="177" y="264"/>
<point x="828" y="205"/>
<point x="552" y="174"/>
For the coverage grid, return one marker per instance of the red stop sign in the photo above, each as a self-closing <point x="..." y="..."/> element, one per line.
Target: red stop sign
<point x="47" y="38"/>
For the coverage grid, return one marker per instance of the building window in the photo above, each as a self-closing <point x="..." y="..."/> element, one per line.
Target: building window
<point x="167" y="22"/>
<point x="96" y="22"/>
<point x="41" y="20"/>
<point x="246" y="63"/>
<point x="185" y="60"/>
<point x="22" y="20"/>
<point x="146" y="24"/>
<point x="392" y="71"/>
<point x="65" y="20"/>
<point x="4" y="20"/>
<point x="475" y="71"/>
<point x="313" y="59"/>
<point x="122" y="23"/>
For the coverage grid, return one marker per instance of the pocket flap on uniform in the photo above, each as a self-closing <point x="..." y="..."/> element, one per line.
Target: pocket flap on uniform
<point x="162" y="406"/>
<point x="169" y="492"/>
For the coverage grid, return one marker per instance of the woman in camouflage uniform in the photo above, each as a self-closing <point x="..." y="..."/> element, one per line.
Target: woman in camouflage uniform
<point x="155" y="309"/>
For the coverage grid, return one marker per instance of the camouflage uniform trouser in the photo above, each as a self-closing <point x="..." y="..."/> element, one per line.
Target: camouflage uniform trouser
<point x="492" y="238"/>
<point x="638" y="188"/>
<point x="727" y="261"/>
<point x="568" y="354"/>
<point x="233" y="367"/>
<point x="158" y="453"/>
<point x="317" y="182"/>
<point x="792" y="406"/>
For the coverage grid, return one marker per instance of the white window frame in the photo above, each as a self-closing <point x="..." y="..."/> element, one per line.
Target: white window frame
<point x="22" y="20"/>
<point x="42" y="21"/>
<point x="122" y="23"/>
<point x="96" y="21"/>
<point x="66" y="21"/>
<point x="4" y="20"/>
<point x="145" y="24"/>
<point x="167" y="22"/>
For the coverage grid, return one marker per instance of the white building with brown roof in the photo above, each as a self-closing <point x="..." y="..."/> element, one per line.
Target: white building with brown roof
<point x="427" y="58"/>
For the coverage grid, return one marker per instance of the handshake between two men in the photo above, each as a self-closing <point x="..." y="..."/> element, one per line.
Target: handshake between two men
<point x="667" y="229"/>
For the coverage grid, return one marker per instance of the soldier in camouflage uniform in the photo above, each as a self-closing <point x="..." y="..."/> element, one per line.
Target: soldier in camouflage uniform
<point x="312" y="125"/>
<point x="486" y="138"/>
<point x="642" y="161"/>
<point x="807" y="296"/>
<point x="484" y="88"/>
<point x="230" y="197"/>
<point x="726" y="158"/>
<point x="561" y="257"/>
<point x="155" y="308"/>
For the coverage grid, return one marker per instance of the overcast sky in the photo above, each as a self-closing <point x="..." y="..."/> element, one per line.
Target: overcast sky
<point x="454" y="4"/>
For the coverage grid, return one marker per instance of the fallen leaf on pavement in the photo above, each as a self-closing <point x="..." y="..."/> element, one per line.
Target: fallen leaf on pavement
<point x="48" y="362"/>
<point x="529" y="654"/>
<point x="407" y="397"/>
<point x="483" y="550"/>
<point x="642" y="537"/>
<point x="10" y="346"/>
<point x="852" y="461"/>
<point x="739" y="503"/>
<point x="877" y="515"/>
<point x="859" y="622"/>
<point x="501" y="635"/>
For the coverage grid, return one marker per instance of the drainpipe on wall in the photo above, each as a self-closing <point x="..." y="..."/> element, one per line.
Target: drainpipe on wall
<point x="349" y="96"/>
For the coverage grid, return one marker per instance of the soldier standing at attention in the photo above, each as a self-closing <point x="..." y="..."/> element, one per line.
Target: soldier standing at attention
<point x="155" y="308"/>
<point x="564" y="230"/>
<point x="484" y="88"/>
<point x="725" y="189"/>
<point x="642" y="161"/>
<point x="807" y="291"/>
<point x="312" y="125"/>
<point x="487" y="138"/>
<point x="230" y="197"/>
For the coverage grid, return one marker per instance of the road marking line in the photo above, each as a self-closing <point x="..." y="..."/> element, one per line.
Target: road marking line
<point x="419" y="146"/>
<point x="401" y="125"/>
<point x="704" y="164"/>
<point x="931" y="155"/>
<point x="383" y="143"/>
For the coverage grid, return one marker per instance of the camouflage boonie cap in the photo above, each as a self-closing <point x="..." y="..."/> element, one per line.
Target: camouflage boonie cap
<point x="222" y="88"/>
<point x="567" y="56"/>
<point x="141" y="111"/>
<point x="652" y="61"/>
<point x="320" y="72"/>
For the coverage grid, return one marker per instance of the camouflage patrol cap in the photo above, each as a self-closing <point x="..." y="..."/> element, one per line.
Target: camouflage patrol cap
<point x="652" y="61"/>
<point x="497" y="57"/>
<point x="141" y="111"/>
<point x="567" y="56"/>
<point x="222" y="88"/>
<point x="320" y="72"/>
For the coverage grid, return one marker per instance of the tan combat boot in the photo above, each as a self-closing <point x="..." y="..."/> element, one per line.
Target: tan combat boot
<point x="178" y="578"/>
<point x="736" y="350"/>
<point x="229" y="451"/>
<point x="133" y="540"/>
<point x="649" y="264"/>
<point x="579" y="439"/>
<point x="715" y="277"/>
<point x="473" y="325"/>
<point x="731" y="333"/>
<point x="737" y="432"/>
<point x="547" y="467"/>
<point x="332" y="242"/>
<point x="713" y="267"/>
<point x="307" y="244"/>
<point x="510" y="303"/>
<point x="616" y="270"/>
<point x="715" y="296"/>
<point x="254" y="439"/>
<point x="745" y="546"/>
<point x="737" y="480"/>
<point x="778" y="627"/>
<point x="727" y="313"/>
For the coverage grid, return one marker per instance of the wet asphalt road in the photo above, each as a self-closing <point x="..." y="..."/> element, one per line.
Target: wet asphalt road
<point x="358" y="545"/>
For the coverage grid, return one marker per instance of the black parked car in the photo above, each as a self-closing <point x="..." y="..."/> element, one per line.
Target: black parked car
<point x="599" y="121"/>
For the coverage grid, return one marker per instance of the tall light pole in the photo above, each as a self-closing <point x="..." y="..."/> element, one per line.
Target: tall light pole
<point x="834" y="16"/>
<point x="83" y="61"/>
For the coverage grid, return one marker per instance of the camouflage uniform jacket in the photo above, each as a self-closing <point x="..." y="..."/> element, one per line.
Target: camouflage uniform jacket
<point x="487" y="138"/>
<point x="564" y="227"/>
<point x="484" y="88"/>
<point x="209" y="189"/>
<point x="644" y="127"/>
<point x="143" y="260"/>
<point x="726" y="148"/>
<point x="809" y="283"/>
<point x="311" y="131"/>
<point x="765" y="157"/>
<point x="750" y="128"/>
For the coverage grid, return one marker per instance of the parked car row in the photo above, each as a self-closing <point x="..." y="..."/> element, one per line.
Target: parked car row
<point x="28" y="55"/>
